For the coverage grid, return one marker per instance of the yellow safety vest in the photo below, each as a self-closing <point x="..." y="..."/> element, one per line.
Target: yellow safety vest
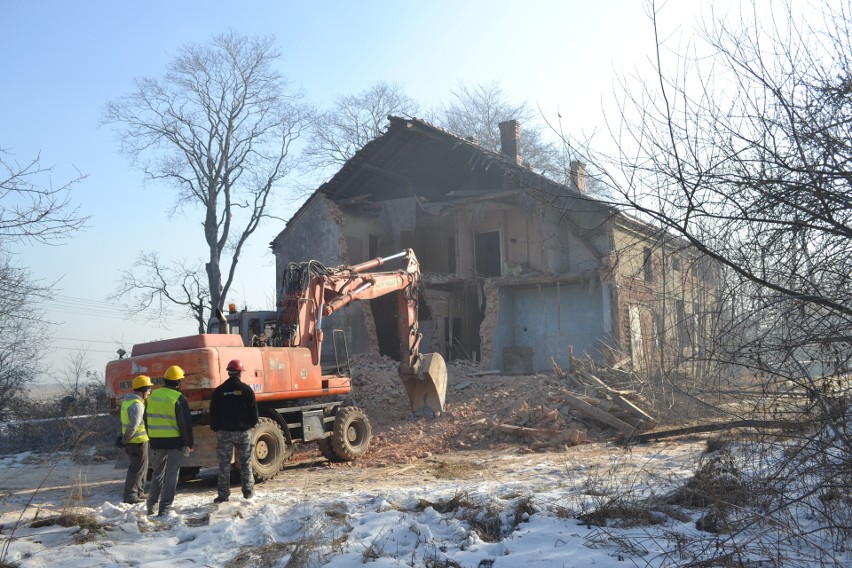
<point x="141" y="435"/>
<point x="162" y="422"/>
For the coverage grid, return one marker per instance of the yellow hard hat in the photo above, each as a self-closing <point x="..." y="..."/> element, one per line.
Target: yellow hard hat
<point x="141" y="382"/>
<point x="174" y="373"/>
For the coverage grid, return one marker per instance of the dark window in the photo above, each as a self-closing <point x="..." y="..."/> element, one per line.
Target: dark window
<point x="676" y="263"/>
<point x="682" y="324"/>
<point x="373" y="247"/>
<point x="648" y="265"/>
<point x="488" y="254"/>
<point x="355" y="246"/>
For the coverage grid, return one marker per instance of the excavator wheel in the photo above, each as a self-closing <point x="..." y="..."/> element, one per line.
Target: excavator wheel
<point x="350" y="436"/>
<point x="187" y="473"/>
<point x="327" y="451"/>
<point x="269" y="449"/>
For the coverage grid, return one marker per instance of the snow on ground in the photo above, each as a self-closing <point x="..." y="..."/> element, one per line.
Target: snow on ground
<point x="504" y="510"/>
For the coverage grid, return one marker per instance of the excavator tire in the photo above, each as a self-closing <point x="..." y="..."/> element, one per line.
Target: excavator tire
<point x="350" y="437"/>
<point x="269" y="449"/>
<point x="327" y="451"/>
<point x="187" y="473"/>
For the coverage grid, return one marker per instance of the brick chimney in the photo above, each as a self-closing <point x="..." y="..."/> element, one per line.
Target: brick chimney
<point x="510" y="140"/>
<point x="578" y="176"/>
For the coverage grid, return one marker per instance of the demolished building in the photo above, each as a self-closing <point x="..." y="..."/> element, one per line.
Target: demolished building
<point x="520" y="272"/>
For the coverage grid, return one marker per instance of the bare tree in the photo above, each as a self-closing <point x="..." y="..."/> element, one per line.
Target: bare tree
<point x="476" y="111"/>
<point x="217" y="126"/>
<point x="32" y="211"/>
<point x="74" y="374"/>
<point x="754" y="172"/>
<point x="740" y="146"/>
<point x="84" y="391"/>
<point x="155" y="286"/>
<point x="352" y="122"/>
<point x="22" y="330"/>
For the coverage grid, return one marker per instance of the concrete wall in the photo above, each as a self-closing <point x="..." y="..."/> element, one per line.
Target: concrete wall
<point x="575" y="238"/>
<point x="317" y="233"/>
<point x="548" y="319"/>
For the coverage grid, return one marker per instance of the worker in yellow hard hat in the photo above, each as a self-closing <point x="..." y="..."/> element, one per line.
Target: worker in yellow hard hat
<point x="170" y="430"/>
<point x="134" y="439"/>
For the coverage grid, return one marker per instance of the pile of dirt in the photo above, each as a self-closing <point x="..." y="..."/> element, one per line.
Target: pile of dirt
<point x="485" y="410"/>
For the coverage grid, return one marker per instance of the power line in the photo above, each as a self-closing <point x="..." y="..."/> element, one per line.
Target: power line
<point x="95" y="308"/>
<point x="84" y="340"/>
<point x="78" y="349"/>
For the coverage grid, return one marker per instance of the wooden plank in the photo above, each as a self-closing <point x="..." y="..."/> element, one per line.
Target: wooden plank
<point x="560" y="374"/>
<point x="598" y="414"/>
<point x="524" y="430"/>
<point x="647" y="422"/>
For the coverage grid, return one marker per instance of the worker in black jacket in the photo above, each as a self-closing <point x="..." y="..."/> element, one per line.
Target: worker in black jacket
<point x="233" y="414"/>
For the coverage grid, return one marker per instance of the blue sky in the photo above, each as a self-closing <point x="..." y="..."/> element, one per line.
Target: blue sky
<point x="61" y="61"/>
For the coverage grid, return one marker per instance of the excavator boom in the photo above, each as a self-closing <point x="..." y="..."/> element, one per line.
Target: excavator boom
<point x="315" y="292"/>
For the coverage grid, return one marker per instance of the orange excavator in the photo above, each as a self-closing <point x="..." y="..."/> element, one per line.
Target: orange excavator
<point x="302" y="384"/>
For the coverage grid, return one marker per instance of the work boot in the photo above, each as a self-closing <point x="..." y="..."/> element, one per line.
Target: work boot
<point x="133" y="500"/>
<point x="150" y="508"/>
<point x="248" y="493"/>
<point x="220" y="499"/>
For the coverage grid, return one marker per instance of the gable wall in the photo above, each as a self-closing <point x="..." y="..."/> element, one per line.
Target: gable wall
<point x="318" y="234"/>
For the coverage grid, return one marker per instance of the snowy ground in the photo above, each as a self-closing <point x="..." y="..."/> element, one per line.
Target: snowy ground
<point x="476" y="509"/>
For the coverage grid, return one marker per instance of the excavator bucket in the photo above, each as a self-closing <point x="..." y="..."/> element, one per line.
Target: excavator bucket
<point x="427" y="390"/>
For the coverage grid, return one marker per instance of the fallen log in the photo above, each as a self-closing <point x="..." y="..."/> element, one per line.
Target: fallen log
<point x="554" y="437"/>
<point x="717" y="427"/>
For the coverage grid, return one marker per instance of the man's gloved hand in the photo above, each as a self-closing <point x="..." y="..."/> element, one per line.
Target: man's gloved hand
<point x="119" y="442"/>
<point x="185" y="451"/>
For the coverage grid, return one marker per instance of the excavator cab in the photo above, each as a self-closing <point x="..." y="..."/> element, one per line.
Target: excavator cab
<point x="255" y="327"/>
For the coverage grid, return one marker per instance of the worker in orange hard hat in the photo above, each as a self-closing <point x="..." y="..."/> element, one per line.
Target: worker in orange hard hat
<point x="134" y="439"/>
<point x="170" y="429"/>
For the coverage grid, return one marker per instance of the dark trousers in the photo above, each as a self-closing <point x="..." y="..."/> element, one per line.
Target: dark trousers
<point x="137" y="470"/>
<point x="164" y="478"/>
<point x="226" y="443"/>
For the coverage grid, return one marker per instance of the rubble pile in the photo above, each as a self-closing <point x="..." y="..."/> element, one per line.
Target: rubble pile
<point x="486" y="410"/>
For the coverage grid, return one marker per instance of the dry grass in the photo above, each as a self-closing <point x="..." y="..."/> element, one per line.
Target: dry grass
<point x="74" y="514"/>
<point x="622" y="513"/>
<point x="265" y="556"/>
<point x="456" y="470"/>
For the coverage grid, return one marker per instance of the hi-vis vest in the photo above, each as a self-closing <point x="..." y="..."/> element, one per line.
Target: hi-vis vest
<point x="141" y="435"/>
<point x="162" y="422"/>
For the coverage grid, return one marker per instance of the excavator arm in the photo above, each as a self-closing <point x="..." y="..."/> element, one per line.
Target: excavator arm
<point x="312" y="292"/>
